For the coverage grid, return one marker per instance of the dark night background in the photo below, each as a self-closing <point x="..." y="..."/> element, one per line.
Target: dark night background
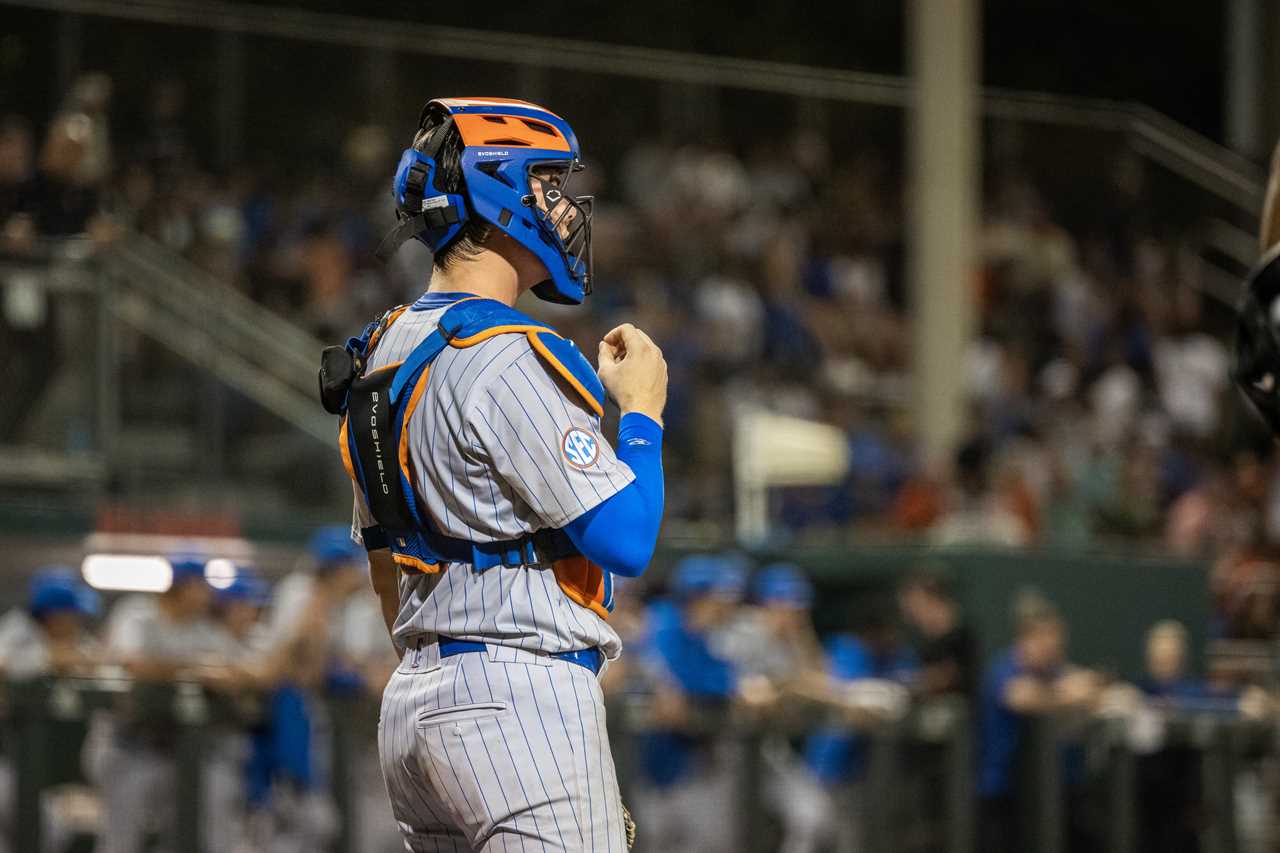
<point x="1166" y="55"/>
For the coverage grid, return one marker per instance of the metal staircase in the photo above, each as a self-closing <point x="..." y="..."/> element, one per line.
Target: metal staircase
<point x="216" y="327"/>
<point x="173" y="389"/>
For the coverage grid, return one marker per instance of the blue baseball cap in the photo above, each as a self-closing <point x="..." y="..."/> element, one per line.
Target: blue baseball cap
<point x="785" y="584"/>
<point x="247" y="587"/>
<point x="58" y="589"/>
<point x="333" y="546"/>
<point x="187" y="567"/>
<point x="719" y="575"/>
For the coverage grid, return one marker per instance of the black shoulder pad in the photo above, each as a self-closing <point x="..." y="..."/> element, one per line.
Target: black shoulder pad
<point x="338" y="368"/>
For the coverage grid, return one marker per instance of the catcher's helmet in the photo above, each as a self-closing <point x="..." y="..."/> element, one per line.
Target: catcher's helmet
<point x="1257" y="353"/>
<point x="517" y="159"/>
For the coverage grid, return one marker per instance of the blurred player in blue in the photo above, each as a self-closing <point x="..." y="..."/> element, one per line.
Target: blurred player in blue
<point x="237" y="613"/>
<point x="775" y="638"/>
<point x="688" y="770"/>
<point x="46" y="636"/>
<point x="303" y="628"/>
<point x="823" y="801"/>
<point x="1030" y="679"/>
<point x="172" y="637"/>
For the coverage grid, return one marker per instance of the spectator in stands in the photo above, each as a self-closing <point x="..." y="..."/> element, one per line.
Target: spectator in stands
<point x="15" y="163"/>
<point x="1245" y="584"/>
<point x="61" y="198"/>
<point x="1028" y="681"/>
<point x="977" y="515"/>
<point x="946" y="649"/>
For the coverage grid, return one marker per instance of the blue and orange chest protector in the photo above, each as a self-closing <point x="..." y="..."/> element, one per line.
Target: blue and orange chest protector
<point x="375" y="408"/>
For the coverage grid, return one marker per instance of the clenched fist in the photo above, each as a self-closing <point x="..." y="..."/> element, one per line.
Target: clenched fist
<point x="633" y="371"/>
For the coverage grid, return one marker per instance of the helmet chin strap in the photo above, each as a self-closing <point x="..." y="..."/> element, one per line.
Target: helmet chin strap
<point x="408" y="228"/>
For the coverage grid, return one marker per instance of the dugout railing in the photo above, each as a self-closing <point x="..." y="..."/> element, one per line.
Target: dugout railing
<point x="918" y="791"/>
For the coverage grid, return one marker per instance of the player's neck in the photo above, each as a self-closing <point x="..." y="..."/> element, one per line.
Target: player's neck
<point x="502" y="271"/>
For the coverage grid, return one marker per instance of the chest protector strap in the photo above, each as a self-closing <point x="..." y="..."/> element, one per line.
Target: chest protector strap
<point x="374" y="443"/>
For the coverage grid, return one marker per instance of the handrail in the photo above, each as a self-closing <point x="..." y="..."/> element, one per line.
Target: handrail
<point x="206" y="297"/>
<point x="210" y="323"/>
<point x="1199" y="160"/>
<point x="200" y="348"/>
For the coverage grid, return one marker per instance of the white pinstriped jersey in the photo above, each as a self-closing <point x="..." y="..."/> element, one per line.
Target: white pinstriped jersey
<point x="487" y="445"/>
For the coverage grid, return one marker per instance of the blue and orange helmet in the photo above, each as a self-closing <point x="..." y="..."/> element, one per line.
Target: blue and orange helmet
<point x="517" y="161"/>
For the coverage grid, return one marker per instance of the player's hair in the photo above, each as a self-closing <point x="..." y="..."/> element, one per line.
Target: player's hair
<point x="1031" y="611"/>
<point x="1171" y="628"/>
<point x="933" y="579"/>
<point x="470" y="239"/>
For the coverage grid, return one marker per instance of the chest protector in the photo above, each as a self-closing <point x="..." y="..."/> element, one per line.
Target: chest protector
<point x="373" y="438"/>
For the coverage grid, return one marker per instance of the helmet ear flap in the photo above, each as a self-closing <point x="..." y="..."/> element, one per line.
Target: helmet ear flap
<point x="411" y="179"/>
<point x="426" y="212"/>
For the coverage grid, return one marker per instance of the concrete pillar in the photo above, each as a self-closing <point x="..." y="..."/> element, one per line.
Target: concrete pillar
<point x="1269" y="120"/>
<point x="944" y="39"/>
<point x="1243" y="77"/>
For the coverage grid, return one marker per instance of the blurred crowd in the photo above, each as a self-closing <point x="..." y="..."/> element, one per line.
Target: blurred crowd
<point x="724" y="674"/>
<point x="772" y="274"/>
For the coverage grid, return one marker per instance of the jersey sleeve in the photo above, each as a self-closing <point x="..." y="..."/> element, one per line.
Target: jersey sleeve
<point x="543" y="443"/>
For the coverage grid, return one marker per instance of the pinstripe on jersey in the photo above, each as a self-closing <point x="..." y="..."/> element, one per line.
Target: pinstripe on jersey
<point x="486" y="446"/>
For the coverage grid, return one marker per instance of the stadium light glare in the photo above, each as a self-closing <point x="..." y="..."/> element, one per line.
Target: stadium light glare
<point x="127" y="572"/>
<point x="220" y="573"/>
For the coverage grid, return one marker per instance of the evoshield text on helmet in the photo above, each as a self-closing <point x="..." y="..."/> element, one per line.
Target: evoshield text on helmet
<point x="517" y="162"/>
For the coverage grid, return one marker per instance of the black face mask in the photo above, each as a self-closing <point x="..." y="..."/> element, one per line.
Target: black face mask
<point x="564" y="222"/>
<point x="1256" y="367"/>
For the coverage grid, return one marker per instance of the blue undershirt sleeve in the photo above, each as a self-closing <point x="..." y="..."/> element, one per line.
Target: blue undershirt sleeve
<point x="621" y="533"/>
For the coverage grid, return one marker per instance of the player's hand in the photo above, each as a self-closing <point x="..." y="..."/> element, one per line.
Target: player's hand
<point x="633" y="371"/>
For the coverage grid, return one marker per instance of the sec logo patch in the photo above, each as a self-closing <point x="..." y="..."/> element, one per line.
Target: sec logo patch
<point x="581" y="449"/>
